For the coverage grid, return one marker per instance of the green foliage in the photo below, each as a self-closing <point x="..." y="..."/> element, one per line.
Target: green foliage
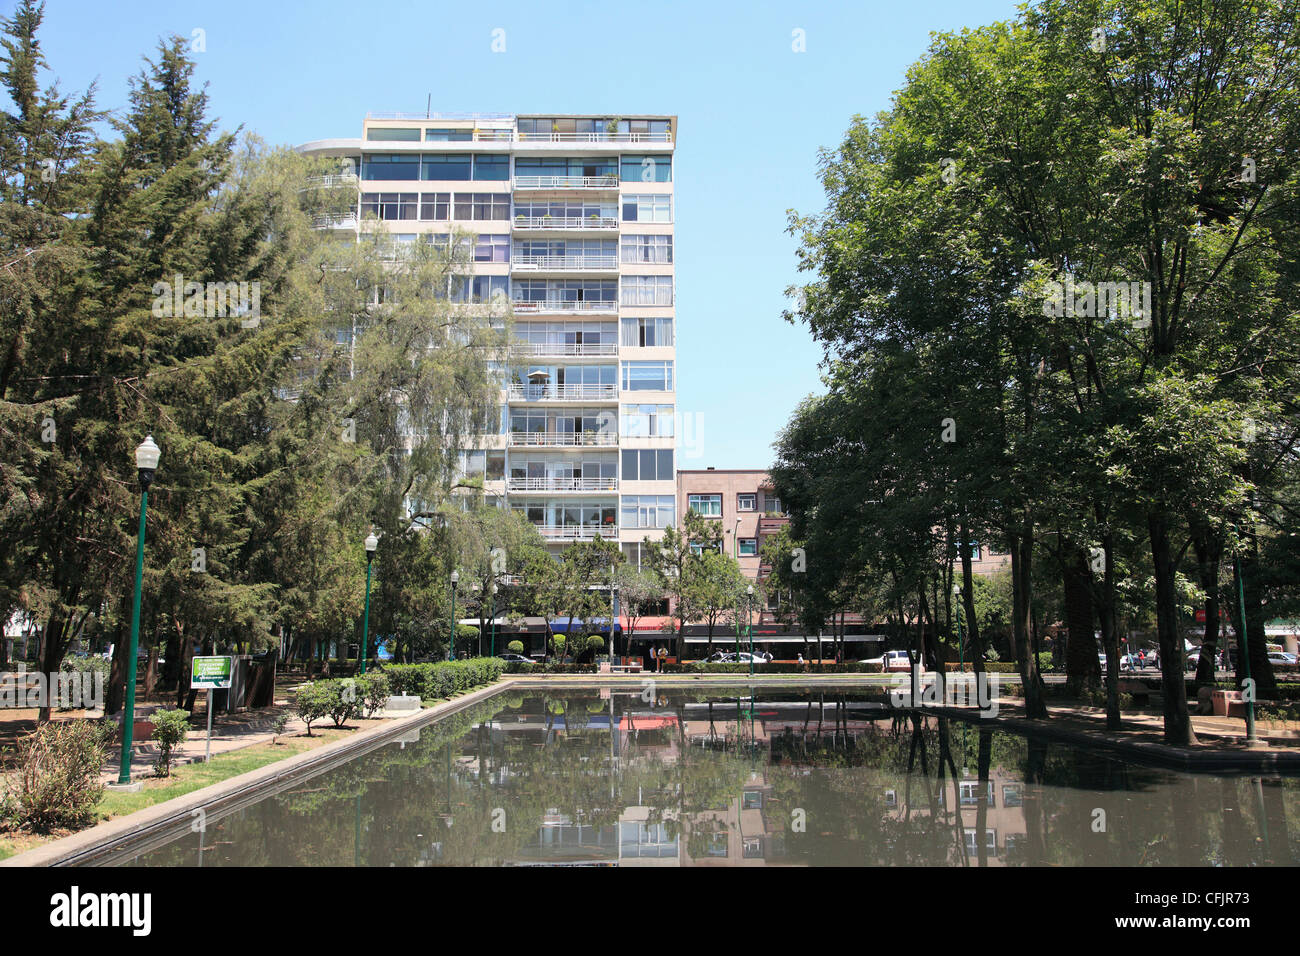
<point x="515" y="647"/>
<point x="170" y="728"/>
<point x="57" y="783"/>
<point x="444" y="678"/>
<point x="312" y="702"/>
<point x="374" y="691"/>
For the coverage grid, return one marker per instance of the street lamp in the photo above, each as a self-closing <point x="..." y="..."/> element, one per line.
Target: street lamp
<point x="749" y="622"/>
<point x="961" y="642"/>
<point x="494" y="619"/>
<point x="451" y="643"/>
<point x="371" y="544"/>
<point x="146" y="462"/>
<point x="1251" y="737"/>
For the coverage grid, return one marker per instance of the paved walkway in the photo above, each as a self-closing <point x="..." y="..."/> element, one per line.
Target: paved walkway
<point x="229" y="732"/>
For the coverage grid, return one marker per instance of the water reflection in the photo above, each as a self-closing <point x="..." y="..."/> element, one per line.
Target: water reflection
<point x="780" y="778"/>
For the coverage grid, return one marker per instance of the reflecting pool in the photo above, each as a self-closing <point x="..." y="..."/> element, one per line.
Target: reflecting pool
<point x="698" y="778"/>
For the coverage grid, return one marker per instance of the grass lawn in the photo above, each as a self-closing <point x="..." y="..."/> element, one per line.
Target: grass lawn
<point x="185" y="779"/>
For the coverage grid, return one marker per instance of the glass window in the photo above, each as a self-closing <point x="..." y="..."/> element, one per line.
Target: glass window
<point x="491" y="166"/>
<point x="435" y="207"/>
<point x="647" y="209"/>
<point x="647" y="169"/>
<point x="384" y="166"/>
<point x="710" y="506"/>
<point x="772" y="505"/>
<point x="647" y="376"/>
<point x="652" y="249"/>
<point x="445" y="166"/>
<point x="746" y="502"/>
<point x="648" y="290"/>
<point x="447" y="135"/>
<point x="482" y="207"/>
<point x="492" y="248"/>
<point x="393" y="135"/>
<point x="748" y="547"/>
<point x="389" y="205"/>
<point x="647" y="332"/>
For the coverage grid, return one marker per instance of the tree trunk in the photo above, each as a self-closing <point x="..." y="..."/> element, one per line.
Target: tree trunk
<point x="1081" y="664"/>
<point x="968" y="603"/>
<point x="1208" y="555"/>
<point x="1110" y="631"/>
<point x="1178" y="724"/>
<point x="53" y="648"/>
<point x="1022" y="553"/>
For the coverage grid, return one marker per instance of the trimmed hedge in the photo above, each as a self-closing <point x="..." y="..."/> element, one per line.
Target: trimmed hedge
<point x="443" y="678"/>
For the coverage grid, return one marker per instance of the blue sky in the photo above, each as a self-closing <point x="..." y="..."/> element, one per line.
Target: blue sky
<point x="752" y="115"/>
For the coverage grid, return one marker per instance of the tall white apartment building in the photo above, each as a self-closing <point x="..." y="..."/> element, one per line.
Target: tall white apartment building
<point x="574" y="222"/>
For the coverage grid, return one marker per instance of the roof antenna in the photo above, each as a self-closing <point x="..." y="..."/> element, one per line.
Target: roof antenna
<point x="428" y="105"/>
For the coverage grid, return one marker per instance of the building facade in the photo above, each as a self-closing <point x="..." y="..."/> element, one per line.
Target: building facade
<point x="573" y="218"/>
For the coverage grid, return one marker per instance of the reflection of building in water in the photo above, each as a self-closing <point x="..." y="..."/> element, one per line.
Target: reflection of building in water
<point x="1004" y="822"/>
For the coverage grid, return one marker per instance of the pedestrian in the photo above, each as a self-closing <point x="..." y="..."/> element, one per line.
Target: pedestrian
<point x="663" y="657"/>
<point x="1142" y="660"/>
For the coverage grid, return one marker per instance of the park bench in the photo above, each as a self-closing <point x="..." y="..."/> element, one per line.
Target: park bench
<point x="631" y="668"/>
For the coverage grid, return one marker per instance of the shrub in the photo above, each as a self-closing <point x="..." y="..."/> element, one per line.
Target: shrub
<point x="515" y="647"/>
<point x="444" y="678"/>
<point x="170" y="728"/>
<point x="991" y="655"/>
<point x="373" y="687"/>
<point x="312" y="703"/>
<point x="596" y="643"/>
<point x="57" y="784"/>
<point x="344" y="701"/>
<point x="278" y="723"/>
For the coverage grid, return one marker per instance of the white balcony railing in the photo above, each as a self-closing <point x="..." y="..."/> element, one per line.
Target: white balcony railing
<point x="567" y="349"/>
<point x="566" y="182"/>
<point x="576" y="532"/>
<point x="562" y="484"/>
<point x="602" y="136"/>
<point x="564" y="264"/>
<point x="563" y="305"/>
<point x="330" y="222"/>
<point x="566" y="222"/>
<point x="564" y="439"/>
<point x="338" y="179"/>
<point x="563" y="393"/>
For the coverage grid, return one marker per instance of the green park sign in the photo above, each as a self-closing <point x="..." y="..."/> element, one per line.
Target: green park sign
<point x="211" y="672"/>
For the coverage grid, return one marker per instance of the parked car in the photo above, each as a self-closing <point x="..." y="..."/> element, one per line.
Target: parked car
<point x="1281" y="657"/>
<point x="515" y="659"/>
<point x="890" y="661"/>
<point x="741" y="658"/>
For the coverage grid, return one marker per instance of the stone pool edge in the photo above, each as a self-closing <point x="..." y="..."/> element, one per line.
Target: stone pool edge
<point x="105" y="837"/>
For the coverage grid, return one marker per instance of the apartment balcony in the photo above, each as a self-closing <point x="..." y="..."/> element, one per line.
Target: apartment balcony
<point x="566" y="223"/>
<point x="564" y="264"/>
<point x="567" y="182"/>
<point x="563" y="393"/>
<point x="563" y="440"/>
<point x="587" y="485"/>
<point x="348" y="223"/>
<point x="569" y="349"/>
<point x="577" y="532"/>
<point x="543" y="306"/>
<point x="328" y="182"/>
<point x="596" y="137"/>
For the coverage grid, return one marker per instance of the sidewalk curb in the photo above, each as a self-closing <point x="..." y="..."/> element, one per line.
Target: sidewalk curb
<point x="88" y="846"/>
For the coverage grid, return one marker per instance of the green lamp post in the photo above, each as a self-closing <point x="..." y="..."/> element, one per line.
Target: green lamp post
<point x="494" y="619"/>
<point x="371" y="544"/>
<point x="451" y="642"/>
<point x="749" y="623"/>
<point x="1245" y="653"/>
<point x="146" y="462"/>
